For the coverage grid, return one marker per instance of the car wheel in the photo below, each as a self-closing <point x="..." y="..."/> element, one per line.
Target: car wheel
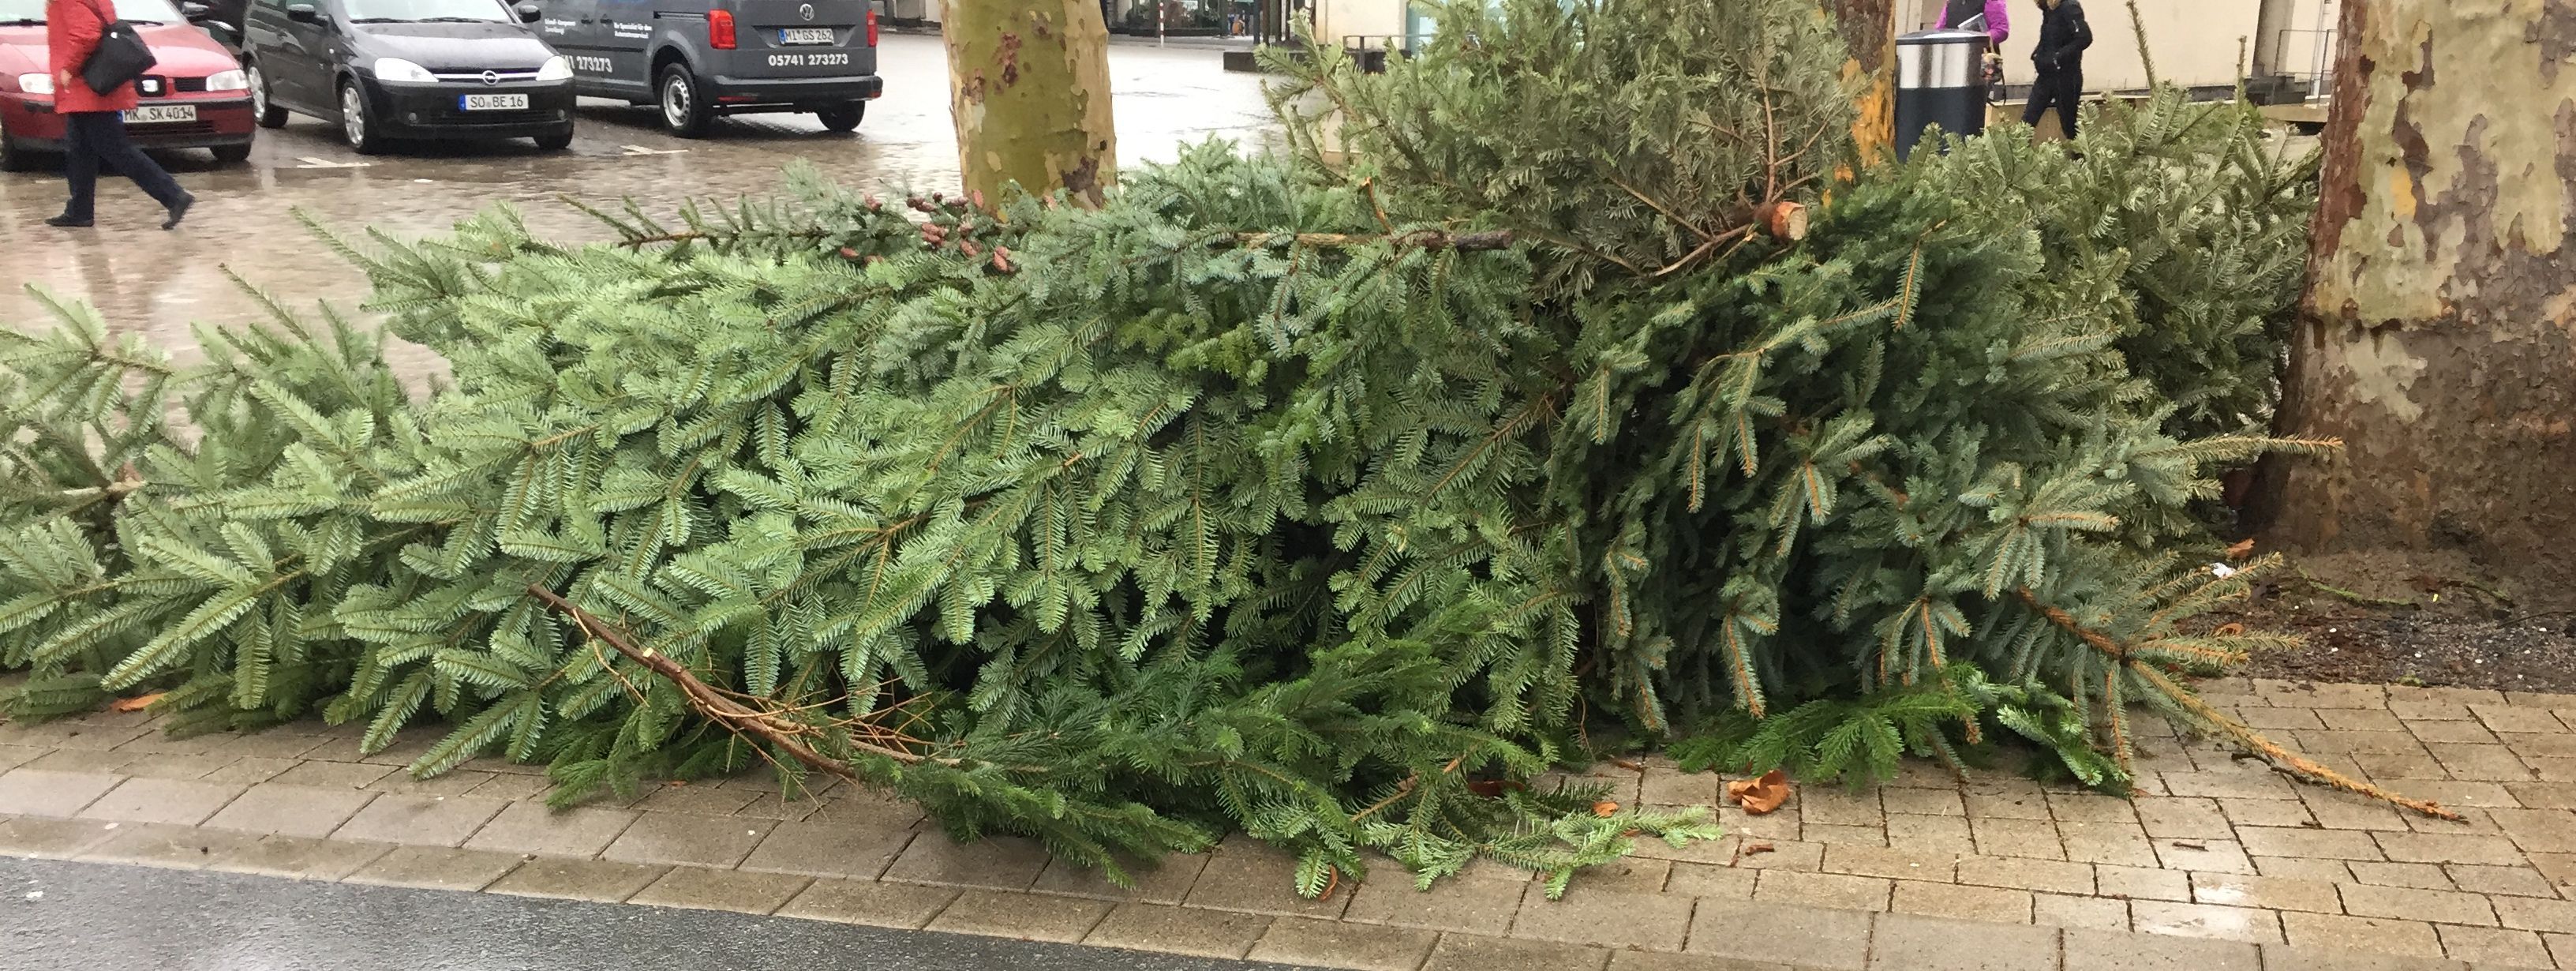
<point x="13" y="158"/>
<point x="843" y="118"/>
<point x="684" y="104"/>
<point x="268" y="113"/>
<point x="555" y="142"/>
<point x="232" y="154"/>
<point x="356" y="125"/>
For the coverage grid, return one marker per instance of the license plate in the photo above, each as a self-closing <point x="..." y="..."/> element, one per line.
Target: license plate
<point x="160" y="114"/>
<point x="492" y="102"/>
<point x="805" y="35"/>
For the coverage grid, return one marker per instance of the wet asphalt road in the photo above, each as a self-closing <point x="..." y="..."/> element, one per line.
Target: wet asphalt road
<point x="67" y="916"/>
<point x="154" y="283"/>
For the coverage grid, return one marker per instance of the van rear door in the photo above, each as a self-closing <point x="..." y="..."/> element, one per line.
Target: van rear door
<point x="802" y="39"/>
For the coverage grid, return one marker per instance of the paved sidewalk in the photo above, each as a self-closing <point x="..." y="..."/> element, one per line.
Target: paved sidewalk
<point x="2219" y="864"/>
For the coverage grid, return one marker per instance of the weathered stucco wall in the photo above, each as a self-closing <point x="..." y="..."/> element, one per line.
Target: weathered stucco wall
<point x="2440" y="339"/>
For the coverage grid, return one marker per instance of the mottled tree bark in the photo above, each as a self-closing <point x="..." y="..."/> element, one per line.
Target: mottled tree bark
<point x="1029" y="87"/>
<point x="2438" y="337"/>
<point x="1869" y="39"/>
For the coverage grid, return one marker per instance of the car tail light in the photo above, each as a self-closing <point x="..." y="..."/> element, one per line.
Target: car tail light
<point x="872" y="28"/>
<point x="720" y="29"/>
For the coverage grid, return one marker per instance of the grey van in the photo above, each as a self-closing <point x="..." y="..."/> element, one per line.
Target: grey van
<point x="697" y="59"/>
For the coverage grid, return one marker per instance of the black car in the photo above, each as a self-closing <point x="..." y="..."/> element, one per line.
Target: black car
<point x="395" y="69"/>
<point x="697" y="59"/>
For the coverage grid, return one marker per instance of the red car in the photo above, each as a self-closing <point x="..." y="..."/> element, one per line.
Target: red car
<point x="196" y="97"/>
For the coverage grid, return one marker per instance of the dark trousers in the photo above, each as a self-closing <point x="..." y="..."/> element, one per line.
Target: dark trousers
<point x="94" y="137"/>
<point x="2057" y="89"/>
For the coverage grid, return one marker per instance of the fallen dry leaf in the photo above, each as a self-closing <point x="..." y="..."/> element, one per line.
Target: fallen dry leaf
<point x="2241" y="550"/>
<point x="1605" y="809"/>
<point x="136" y="703"/>
<point x="1759" y="796"/>
<point x="1631" y="765"/>
<point x="2229" y="630"/>
<point x="1753" y="848"/>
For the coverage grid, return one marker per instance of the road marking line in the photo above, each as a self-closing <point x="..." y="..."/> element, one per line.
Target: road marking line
<point x="641" y="150"/>
<point x="319" y="163"/>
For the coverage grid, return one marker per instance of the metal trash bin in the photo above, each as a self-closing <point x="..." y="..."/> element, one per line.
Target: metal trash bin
<point x="1940" y="79"/>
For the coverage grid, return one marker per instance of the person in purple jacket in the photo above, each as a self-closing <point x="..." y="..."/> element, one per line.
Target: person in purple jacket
<point x="1998" y="20"/>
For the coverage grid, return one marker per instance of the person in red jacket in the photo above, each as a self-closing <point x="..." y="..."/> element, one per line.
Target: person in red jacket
<point x="94" y="121"/>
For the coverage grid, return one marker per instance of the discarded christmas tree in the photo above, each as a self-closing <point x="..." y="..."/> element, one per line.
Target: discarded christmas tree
<point x="1319" y="503"/>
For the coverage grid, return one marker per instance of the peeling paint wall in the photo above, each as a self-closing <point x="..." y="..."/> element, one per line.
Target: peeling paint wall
<point x="2438" y="339"/>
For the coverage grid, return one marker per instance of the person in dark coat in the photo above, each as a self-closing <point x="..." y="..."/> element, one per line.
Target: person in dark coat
<point x="94" y="121"/>
<point x="2059" y="58"/>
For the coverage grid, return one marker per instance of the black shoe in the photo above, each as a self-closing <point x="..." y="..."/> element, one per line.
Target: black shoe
<point x="178" y="212"/>
<point x="67" y="222"/>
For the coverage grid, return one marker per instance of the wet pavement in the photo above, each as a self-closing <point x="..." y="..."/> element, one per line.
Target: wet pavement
<point x="63" y="916"/>
<point x="154" y="283"/>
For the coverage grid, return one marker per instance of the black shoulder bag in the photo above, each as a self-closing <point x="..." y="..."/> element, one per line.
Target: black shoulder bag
<point x="120" y="57"/>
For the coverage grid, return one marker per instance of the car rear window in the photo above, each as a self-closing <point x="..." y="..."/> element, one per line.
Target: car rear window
<point x="478" y="11"/>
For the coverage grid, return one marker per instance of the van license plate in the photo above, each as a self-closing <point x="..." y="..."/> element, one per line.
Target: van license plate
<point x="805" y="35"/>
<point x="492" y="102"/>
<point x="160" y="114"/>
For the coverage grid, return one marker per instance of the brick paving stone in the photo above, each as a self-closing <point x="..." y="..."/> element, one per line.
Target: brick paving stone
<point x="62" y="735"/>
<point x="2511" y="881"/>
<point x="408" y="746"/>
<point x="1905" y="942"/>
<point x="1923" y="802"/>
<point x="1363" y="947"/>
<point x="2229" y="785"/>
<point x="1781" y="826"/>
<point x="2535" y="830"/>
<point x="867" y="902"/>
<point x="265" y="745"/>
<point x="2400" y="767"/>
<point x="2272" y="719"/>
<point x="2557" y="868"/>
<point x="2404" y="937"/>
<point x="2493" y="945"/>
<point x="2336" y="810"/>
<point x="1629" y="875"/>
<point x="565" y="878"/>
<point x="2334" y="959"/>
<point x="2453" y="732"/>
<point x="2449" y="848"/>
<point x="245" y="772"/>
<point x="2123" y="844"/>
<point x="1720" y="851"/>
<point x="50" y="839"/>
<point x="2445" y="695"/>
<point x="2426" y="876"/>
<point x="2248" y="924"/>
<point x="1166" y="883"/>
<point x="2321" y="744"/>
<point x="435" y="868"/>
<point x="2007" y="806"/>
<point x="2562" y="947"/>
<point x="2534" y="745"/>
<point x="2543" y="795"/>
<point x="1837" y="806"/>
<point x="2023" y="874"/>
<point x="1836" y="940"/>
<point x="1675" y="787"/>
<point x="2511" y="718"/>
<point x="513" y="788"/>
<point x="1655" y="922"/>
<point x="1165" y="929"/>
<point x="2470" y="821"/>
<point x="455" y="782"/>
<point x="171" y="801"/>
<point x="2265" y="812"/>
<point x="685" y="840"/>
<point x="420" y="820"/>
<point x="1782" y="855"/>
<point x="2063" y="910"/>
<point x="696" y="888"/>
<point x="2459" y="793"/>
<point x="695" y="800"/>
<point x="1963" y="902"/>
<point x="2302" y="694"/>
<point x="2432" y="709"/>
<point x="153" y="844"/>
<point x="277" y="809"/>
<point x="2184" y="818"/>
<point x="299" y="857"/>
<point x="1472" y="906"/>
<point x="2141" y="883"/>
<point x="338" y="775"/>
<point x="1032" y="918"/>
<point x="2089" y="807"/>
<point x="46" y="792"/>
<point x="1930" y="834"/>
<point x="2276" y="893"/>
<point x="2331" y="844"/>
<point x="1900" y="864"/>
<point x="1468" y="952"/>
<point x="2214" y="856"/>
<point x="2444" y="906"/>
<point x="2034" y="838"/>
<point x="529" y="827"/>
<point x="2534" y="914"/>
<point x="156" y="743"/>
<point x="2360" y="719"/>
<point x="2494" y="763"/>
<point x="854" y="851"/>
<point x="1241" y="875"/>
<point x="2301" y="868"/>
<point x="1703" y="880"/>
<point x="1845" y="835"/>
<point x="2102" y="951"/>
<point x="2541" y="699"/>
<point x="1791" y="887"/>
<point x="1655" y="961"/>
<point x="13" y="756"/>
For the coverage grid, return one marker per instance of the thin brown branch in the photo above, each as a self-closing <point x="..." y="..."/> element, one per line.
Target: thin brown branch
<point x="1429" y="239"/>
<point x="1659" y="207"/>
